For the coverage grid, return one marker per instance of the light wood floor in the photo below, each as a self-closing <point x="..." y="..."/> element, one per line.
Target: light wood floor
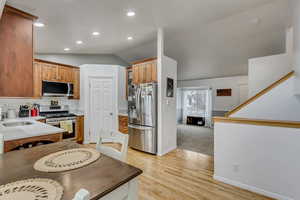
<point x="182" y="175"/>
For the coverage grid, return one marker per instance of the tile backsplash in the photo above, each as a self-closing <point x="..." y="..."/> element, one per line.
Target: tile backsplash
<point x="15" y="103"/>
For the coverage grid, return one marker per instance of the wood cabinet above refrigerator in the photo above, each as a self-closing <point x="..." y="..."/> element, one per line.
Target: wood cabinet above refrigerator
<point x="144" y="71"/>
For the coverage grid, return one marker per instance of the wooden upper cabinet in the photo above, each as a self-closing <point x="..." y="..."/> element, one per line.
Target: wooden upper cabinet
<point x="37" y="80"/>
<point x="16" y="57"/>
<point x="65" y="74"/>
<point x="145" y="72"/>
<point x="55" y="72"/>
<point x="154" y="71"/>
<point x="49" y="72"/>
<point x="142" y="73"/>
<point x="135" y="74"/>
<point x="76" y="84"/>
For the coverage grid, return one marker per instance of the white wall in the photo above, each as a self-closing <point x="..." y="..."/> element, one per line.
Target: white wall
<point x="167" y="130"/>
<point x="2" y="3"/>
<point x="166" y="111"/>
<point x="220" y="103"/>
<point x="87" y="71"/>
<point x="262" y="72"/>
<point x="140" y="52"/>
<point x="289" y="41"/>
<point x="295" y="7"/>
<point x="122" y="100"/>
<point x="258" y="158"/>
<point x="179" y="105"/>
<point x="278" y="104"/>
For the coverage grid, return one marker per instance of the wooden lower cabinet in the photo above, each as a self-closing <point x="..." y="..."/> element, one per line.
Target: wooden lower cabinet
<point x="42" y="120"/>
<point x="80" y="129"/>
<point x="123" y="124"/>
<point x="13" y="144"/>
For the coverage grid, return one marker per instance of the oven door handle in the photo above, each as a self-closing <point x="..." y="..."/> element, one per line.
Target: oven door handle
<point x="53" y="123"/>
<point x="57" y="123"/>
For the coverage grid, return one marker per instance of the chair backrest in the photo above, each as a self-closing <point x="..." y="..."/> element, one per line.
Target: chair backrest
<point x="116" y="137"/>
<point x="82" y="194"/>
<point x="1" y="144"/>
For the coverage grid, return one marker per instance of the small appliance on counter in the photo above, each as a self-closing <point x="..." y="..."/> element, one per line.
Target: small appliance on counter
<point x="24" y="111"/>
<point x="34" y="112"/>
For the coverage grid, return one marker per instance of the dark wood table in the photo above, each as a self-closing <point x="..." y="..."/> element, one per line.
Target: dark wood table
<point x="99" y="178"/>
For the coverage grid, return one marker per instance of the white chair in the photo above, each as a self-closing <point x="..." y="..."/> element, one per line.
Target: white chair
<point x="127" y="191"/>
<point x="1" y="144"/>
<point x="82" y="194"/>
<point x="115" y="137"/>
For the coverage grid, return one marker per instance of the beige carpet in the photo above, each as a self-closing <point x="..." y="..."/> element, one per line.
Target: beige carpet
<point x="195" y="138"/>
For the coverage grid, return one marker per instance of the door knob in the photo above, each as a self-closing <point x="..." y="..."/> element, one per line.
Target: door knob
<point x="111" y="114"/>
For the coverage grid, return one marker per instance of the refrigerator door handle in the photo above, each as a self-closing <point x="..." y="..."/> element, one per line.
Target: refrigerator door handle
<point x="140" y="127"/>
<point x="138" y="103"/>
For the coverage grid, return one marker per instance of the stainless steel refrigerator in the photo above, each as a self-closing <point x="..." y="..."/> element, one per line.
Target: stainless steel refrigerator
<point x="142" y="117"/>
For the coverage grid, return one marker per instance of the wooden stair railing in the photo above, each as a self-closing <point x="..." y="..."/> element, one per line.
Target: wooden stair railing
<point x="258" y="122"/>
<point x="261" y="93"/>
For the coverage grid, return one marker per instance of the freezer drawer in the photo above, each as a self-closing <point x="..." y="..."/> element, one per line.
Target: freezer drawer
<point x="143" y="138"/>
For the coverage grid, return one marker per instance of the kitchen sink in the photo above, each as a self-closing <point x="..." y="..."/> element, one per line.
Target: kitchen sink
<point x="14" y="124"/>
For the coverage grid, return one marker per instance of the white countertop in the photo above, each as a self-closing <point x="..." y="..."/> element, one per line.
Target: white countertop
<point x="33" y="130"/>
<point x="31" y="118"/>
<point x="77" y="112"/>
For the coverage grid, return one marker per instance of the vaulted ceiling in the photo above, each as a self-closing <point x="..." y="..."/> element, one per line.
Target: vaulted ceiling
<point x="208" y="38"/>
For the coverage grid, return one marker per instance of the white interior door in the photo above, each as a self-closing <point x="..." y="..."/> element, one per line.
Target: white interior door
<point x="102" y="106"/>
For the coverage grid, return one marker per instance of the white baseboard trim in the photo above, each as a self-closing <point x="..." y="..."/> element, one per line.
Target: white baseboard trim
<point x="167" y="151"/>
<point x="252" y="189"/>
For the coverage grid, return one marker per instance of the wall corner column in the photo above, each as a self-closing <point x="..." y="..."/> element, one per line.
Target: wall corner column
<point x="160" y="54"/>
<point x="2" y="4"/>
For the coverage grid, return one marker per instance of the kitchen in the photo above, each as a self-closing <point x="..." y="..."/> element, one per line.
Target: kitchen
<point x="47" y="104"/>
<point x="77" y="77"/>
<point x="40" y="118"/>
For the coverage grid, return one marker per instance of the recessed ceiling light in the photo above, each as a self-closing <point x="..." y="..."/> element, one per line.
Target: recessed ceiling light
<point x="95" y="33"/>
<point x="130" y="13"/>
<point x="79" y="42"/>
<point x="39" y="24"/>
<point x="130" y="38"/>
<point x="67" y="49"/>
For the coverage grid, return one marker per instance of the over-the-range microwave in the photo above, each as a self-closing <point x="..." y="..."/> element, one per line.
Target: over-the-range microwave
<point x="57" y="89"/>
